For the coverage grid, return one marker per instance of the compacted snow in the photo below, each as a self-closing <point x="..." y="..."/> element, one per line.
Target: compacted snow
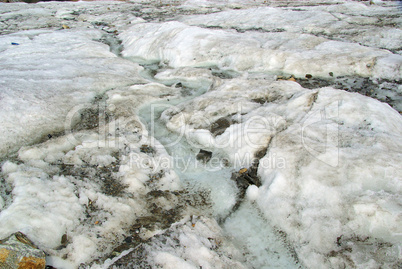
<point x="203" y="134"/>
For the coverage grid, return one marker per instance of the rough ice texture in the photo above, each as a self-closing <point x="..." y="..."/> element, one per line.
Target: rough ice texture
<point x="330" y="178"/>
<point x="102" y="189"/>
<point x="372" y="26"/>
<point x="86" y="185"/>
<point x="48" y="74"/>
<point x="179" y="45"/>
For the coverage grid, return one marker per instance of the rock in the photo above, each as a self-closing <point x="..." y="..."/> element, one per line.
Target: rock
<point x="147" y="149"/>
<point x="18" y="252"/>
<point x="290" y="78"/>
<point x="219" y="126"/>
<point x="246" y="177"/>
<point x="204" y="156"/>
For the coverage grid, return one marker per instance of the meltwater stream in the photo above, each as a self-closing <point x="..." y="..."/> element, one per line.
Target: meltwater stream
<point x="260" y="244"/>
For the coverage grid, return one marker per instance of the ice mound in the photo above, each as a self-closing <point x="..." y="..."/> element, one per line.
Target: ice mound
<point x="330" y="177"/>
<point x="178" y="45"/>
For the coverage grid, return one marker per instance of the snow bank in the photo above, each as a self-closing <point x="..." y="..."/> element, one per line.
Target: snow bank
<point x="333" y="182"/>
<point x="269" y="19"/>
<point x="330" y="177"/>
<point x="177" y="45"/>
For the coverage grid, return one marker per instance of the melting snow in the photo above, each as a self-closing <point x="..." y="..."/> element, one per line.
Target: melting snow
<point x="107" y="106"/>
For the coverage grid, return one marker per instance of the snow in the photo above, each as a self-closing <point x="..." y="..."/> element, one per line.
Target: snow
<point x="252" y="192"/>
<point x="106" y="107"/>
<point x="48" y="211"/>
<point x="350" y="21"/>
<point x="73" y="70"/>
<point x="46" y="206"/>
<point x="255" y="52"/>
<point x="265" y="244"/>
<point x="326" y="170"/>
<point x="193" y="246"/>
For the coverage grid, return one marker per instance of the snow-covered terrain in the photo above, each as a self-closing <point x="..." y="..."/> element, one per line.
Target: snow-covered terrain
<point x="203" y="134"/>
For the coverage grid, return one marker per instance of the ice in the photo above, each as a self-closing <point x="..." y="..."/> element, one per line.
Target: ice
<point x="265" y="244"/>
<point x="189" y="77"/>
<point x="372" y="25"/>
<point x="50" y="15"/>
<point x="39" y="97"/>
<point x="193" y="246"/>
<point x="209" y="134"/>
<point x="49" y="206"/>
<point x="322" y="179"/>
<point x="253" y="52"/>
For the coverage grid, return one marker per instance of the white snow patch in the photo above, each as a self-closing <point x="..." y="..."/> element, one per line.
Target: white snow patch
<point x="252" y="192"/>
<point x="262" y="52"/>
<point x="9" y="167"/>
<point x="73" y="70"/>
<point x="198" y="242"/>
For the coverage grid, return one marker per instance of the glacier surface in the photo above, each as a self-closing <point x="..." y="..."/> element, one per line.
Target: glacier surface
<point x="203" y="134"/>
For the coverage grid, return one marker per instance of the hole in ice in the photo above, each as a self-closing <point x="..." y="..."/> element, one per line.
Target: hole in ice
<point x="204" y="156"/>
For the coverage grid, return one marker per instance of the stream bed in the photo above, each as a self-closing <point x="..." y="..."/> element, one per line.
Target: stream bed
<point x="261" y="245"/>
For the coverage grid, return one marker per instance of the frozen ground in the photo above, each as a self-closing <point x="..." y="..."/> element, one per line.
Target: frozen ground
<point x="203" y="134"/>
